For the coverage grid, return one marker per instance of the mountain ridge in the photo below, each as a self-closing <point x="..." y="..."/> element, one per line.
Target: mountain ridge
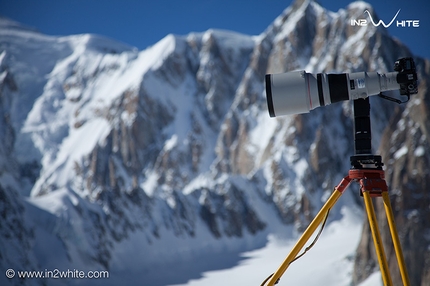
<point x="178" y="144"/>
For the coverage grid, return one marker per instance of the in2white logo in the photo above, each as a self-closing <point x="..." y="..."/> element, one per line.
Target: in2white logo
<point x="399" y="23"/>
<point x="380" y="21"/>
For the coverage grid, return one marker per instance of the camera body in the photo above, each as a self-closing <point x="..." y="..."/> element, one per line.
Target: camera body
<point x="406" y="76"/>
<point x="299" y="92"/>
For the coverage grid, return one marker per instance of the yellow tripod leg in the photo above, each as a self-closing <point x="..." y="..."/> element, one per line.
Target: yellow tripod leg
<point x="380" y="253"/>
<point x="305" y="236"/>
<point x="395" y="237"/>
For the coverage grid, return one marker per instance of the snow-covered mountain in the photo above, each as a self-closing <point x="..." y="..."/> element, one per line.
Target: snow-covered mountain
<point x="141" y="162"/>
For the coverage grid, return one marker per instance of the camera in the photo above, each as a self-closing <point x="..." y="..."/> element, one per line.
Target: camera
<point x="299" y="92"/>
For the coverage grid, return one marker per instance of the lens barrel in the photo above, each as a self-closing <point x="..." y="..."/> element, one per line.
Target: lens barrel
<point x="289" y="93"/>
<point x="299" y="92"/>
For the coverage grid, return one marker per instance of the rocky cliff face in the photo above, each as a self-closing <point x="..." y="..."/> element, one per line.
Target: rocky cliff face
<point x="115" y="149"/>
<point x="404" y="146"/>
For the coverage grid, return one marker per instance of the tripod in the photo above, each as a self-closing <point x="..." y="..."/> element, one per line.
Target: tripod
<point x="366" y="169"/>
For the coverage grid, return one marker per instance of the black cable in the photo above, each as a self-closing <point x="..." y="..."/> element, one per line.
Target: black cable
<point x="267" y="279"/>
<point x="315" y="240"/>
<point x="306" y="249"/>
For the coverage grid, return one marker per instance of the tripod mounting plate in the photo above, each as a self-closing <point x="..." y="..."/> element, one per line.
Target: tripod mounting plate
<point x="370" y="180"/>
<point x="366" y="162"/>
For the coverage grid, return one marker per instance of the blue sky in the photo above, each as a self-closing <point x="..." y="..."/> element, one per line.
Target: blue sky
<point x="142" y="23"/>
